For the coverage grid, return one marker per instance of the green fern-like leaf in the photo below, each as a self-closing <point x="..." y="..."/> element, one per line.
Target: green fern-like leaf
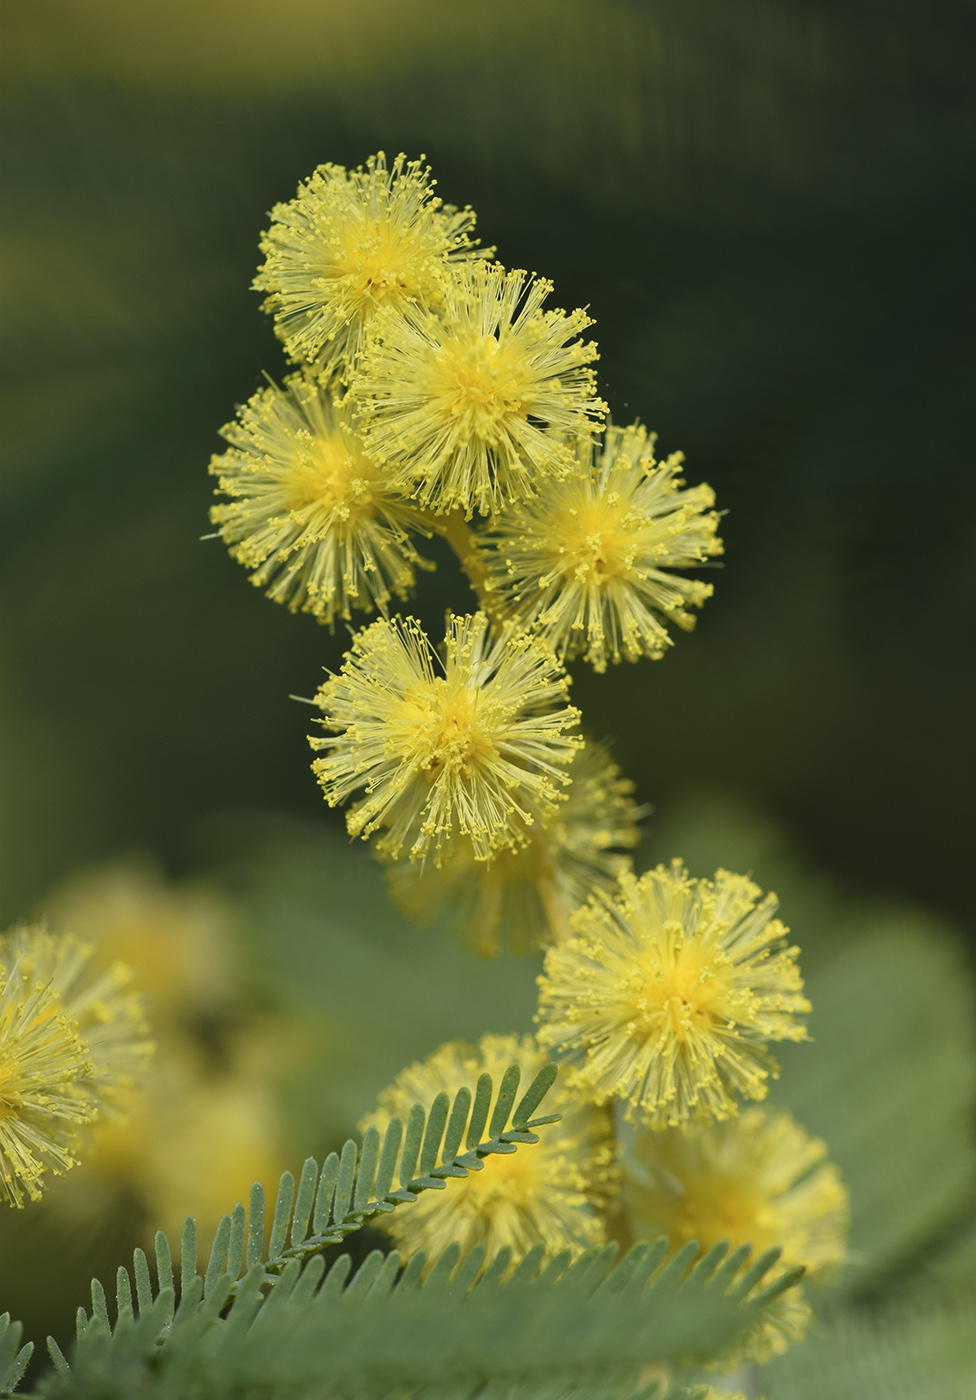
<point x="357" y="1185"/>
<point x="556" y="1330"/>
<point x="13" y="1356"/>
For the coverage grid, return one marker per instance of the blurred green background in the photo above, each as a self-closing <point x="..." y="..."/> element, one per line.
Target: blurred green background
<point x="768" y="208"/>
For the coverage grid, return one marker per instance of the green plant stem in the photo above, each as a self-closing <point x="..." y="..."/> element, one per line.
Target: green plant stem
<point x="457" y="532"/>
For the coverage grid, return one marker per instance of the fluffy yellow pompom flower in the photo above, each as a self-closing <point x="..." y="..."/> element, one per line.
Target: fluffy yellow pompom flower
<point x="759" y="1179"/>
<point x="553" y="1193"/>
<point x="665" y="997"/>
<point x="310" y="513"/>
<point x="109" y="1020"/>
<point x="590" y="561"/>
<point x="478" y="750"/>
<point x="468" y="408"/>
<point x="45" y="1071"/>
<point x="523" y="898"/>
<point x="350" y="242"/>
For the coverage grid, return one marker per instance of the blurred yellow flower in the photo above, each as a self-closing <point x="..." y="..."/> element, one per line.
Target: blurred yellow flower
<point x="523" y="897"/>
<point x="665" y="996"/>
<point x="468" y="407"/>
<point x="478" y="751"/>
<point x="204" y="1124"/>
<point x="350" y="242"/>
<point x="759" y="1179"/>
<point x="590" y="561"/>
<point x="553" y="1193"/>
<point x="311" y="515"/>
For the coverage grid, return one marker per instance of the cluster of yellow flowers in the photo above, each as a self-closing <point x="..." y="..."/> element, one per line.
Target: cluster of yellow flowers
<point x="432" y="386"/>
<point x="202" y="1123"/>
<point x="73" y="1041"/>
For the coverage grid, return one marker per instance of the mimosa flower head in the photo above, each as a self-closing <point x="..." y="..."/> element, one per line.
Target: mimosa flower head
<point x="758" y="1179"/>
<point x="523" y="898"/>
<point x="666" y="996"/>
<point x="310" y="513"/>
<point x="350" y="242"/>
<point x="590" y="562"/>
<point x="468" y="407"/>
<point x="553" y="1193"/>
<point x="108" y="1017"/>
<point x="476" y="746"/>
<point x="45" y="1073"/>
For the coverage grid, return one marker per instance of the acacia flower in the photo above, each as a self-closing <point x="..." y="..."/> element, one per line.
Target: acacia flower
<point x="590" y="562"/>
<point x="553" y="1193"/>
<point x="310" y="513"/>
<point x="524" y="897"/>
<point x="666" y="996"/>
<point x="477" y="750"/>
<point x="758" y="1179"/>
<point x="350" y="242"/>
<point x="45" y="1071"/>
<point x="109" y="1019"/>
<point x="468" y="407"/>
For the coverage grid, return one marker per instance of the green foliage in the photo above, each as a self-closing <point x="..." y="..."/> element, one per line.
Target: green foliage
<point x="292" y="1327"/>
<point x="13" y="1356"/>
<point x="890" y="1084"/>
<point x="358" y="1184"/>
<point x="565" y="1329"/>
<point x="919" y="1353"/>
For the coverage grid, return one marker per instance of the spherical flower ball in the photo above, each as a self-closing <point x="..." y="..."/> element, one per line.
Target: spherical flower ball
<point x="351" y="242"/>
<point x="310" y="513"/>
<point x="522" y="898"/>
<point x="476" y="746"/>
<point x="45" y="1077"/>
<point x="471" y="407"/>
<point x="590" y="562"/>
<point x="108" y="1016"/>
<point x="758" y="1179"/>
<point x="552" y="1193"/>
<point x="666" y="995"/>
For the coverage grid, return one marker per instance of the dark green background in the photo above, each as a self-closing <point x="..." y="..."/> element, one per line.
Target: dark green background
<point x="768" y="208"/>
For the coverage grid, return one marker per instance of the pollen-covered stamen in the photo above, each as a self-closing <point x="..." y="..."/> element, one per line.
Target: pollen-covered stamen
<point x="469" y="408"/>
<point x="666" y="996"/>
<point x="479" y="750"/>
<point x="329" y="485"/>
<point x="350" y="243"/>
<point x="590" y="562"/>
<point x="478" y="383"/>
<point x="310" y="513"/>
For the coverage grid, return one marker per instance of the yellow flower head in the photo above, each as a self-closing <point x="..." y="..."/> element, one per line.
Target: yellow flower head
<point x="176" y="940"/>
<point x="310" y="513"/>
<point x="553" y="1193"/>
<point x="477" y="747"/>
<point x="758" y="1179"/>
<point x="45" y="1073"/>
<point x="468" y="407"/>
<point x="108" y="1019"/>
<point x="590" y="561"/>
<point x="665" y="997"/>
<point x="350" y="242"/>
<point x="525" y="896"/>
